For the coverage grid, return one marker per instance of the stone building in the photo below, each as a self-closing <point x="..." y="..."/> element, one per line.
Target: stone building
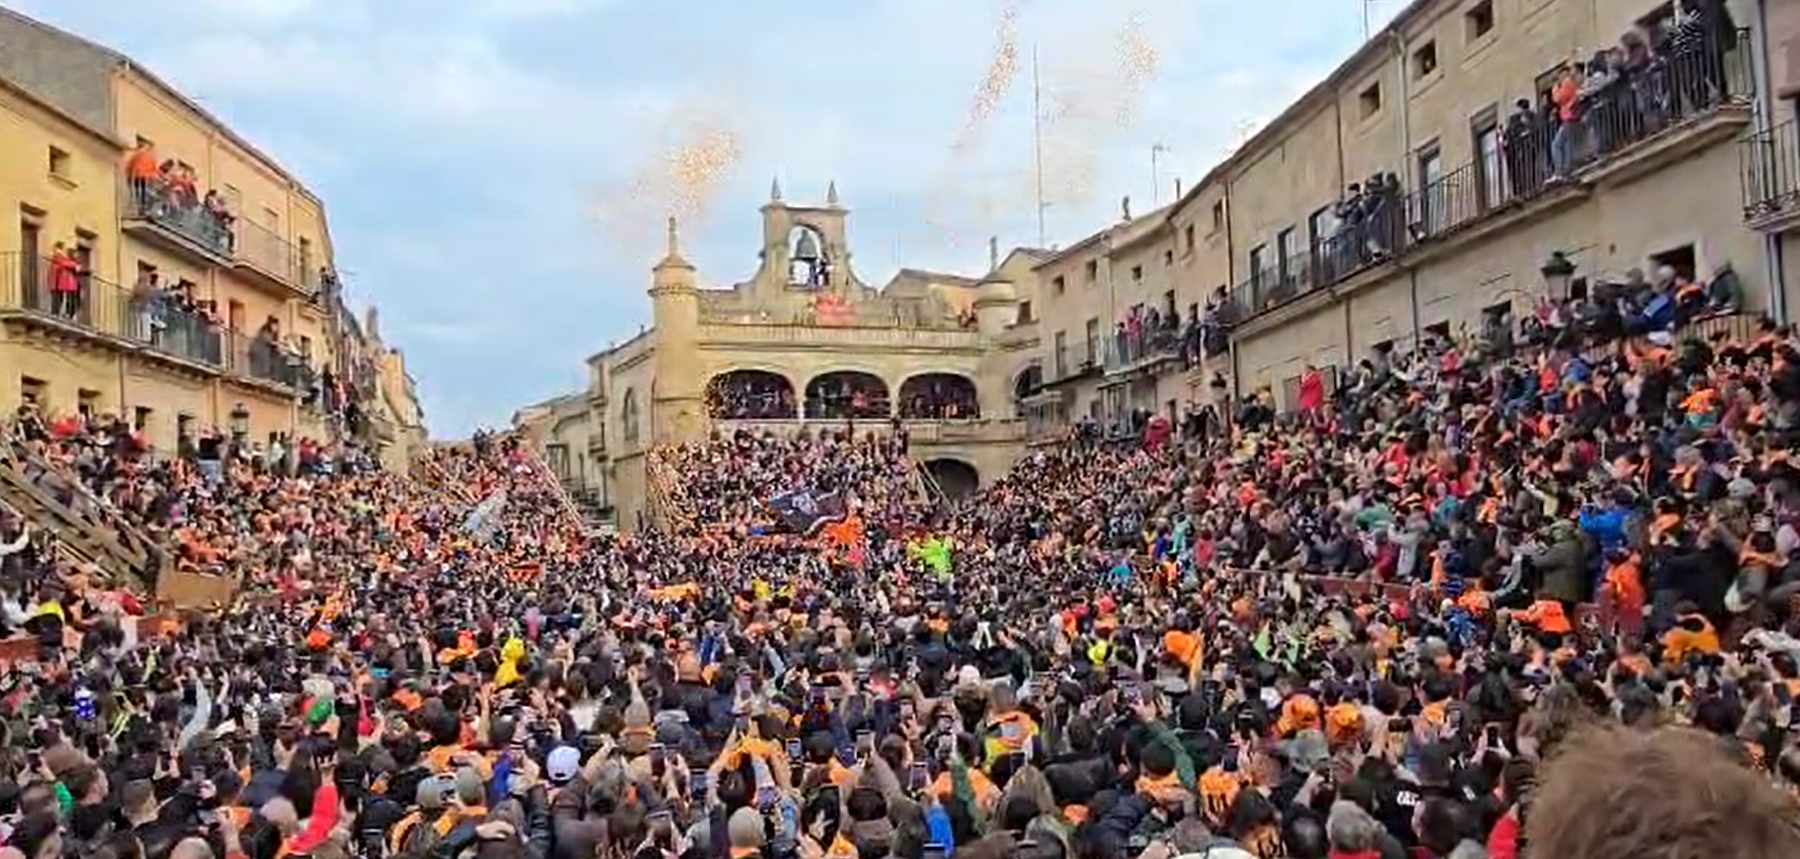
<point x="804" y="343"/>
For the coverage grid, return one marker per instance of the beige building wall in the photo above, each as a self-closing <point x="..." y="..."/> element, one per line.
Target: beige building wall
<point x="1417" y="102"/>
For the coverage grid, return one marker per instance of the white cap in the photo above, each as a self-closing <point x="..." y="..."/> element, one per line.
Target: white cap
<point x="563" y="764"/>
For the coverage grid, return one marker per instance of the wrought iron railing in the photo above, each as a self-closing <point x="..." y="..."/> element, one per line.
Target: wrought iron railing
<point x="58" y="289"/>
<point x="1614" y="120"/>
<point x="1769" y="170"/>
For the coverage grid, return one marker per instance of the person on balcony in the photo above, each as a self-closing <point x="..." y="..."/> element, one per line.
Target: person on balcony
<point x="142" y="174"/>
<point x="65" y="282"/>
<point x="146" y="301"/>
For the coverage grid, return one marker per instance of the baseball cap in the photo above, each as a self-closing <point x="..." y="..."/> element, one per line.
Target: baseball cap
<point x="563" y="764"/>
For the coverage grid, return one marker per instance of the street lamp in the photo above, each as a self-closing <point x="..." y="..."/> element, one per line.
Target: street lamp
<point x="1557" y="272"/>
<point x="240" y="424"/>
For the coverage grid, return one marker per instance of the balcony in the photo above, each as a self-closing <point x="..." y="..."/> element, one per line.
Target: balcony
<point x="272" y="262"/>
<point x="1075" y="361"/>
<point x="72" y="303"/>
<point x="1141" y="350"/>
<point x="1769" y="174"/>
<point x="176" y="223"/>
<point x="265" y="363"/>
<point x="1629" y="129"/>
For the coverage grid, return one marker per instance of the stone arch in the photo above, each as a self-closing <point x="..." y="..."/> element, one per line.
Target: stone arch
<point x="1026" y="383"/>
<point x="846" y="394"/>
<point x="629" y="415"/>
<point x="938" y="395"/>
<point x="748" y="393"/>
<point x="956" y="478"/>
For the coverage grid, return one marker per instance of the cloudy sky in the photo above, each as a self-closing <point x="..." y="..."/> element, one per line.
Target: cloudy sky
<point x="496" y="171"/>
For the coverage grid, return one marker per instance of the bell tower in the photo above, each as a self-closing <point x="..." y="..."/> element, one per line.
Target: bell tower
<point x="805" y="247"/>
<point x="676" y="404"/>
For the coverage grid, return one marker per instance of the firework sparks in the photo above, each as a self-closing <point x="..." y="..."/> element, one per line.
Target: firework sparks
<point x="679" y="181"/>
<point x="1002" y="70"/>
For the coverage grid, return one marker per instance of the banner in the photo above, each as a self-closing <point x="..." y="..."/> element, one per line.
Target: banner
<point x="806" y="511"/>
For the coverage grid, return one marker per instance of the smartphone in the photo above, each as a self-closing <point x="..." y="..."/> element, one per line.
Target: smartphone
<point x="917" y="776"/>
<point x="934" y="850"/>
<point x="865" y="743"/>
<point x="794" y="750"/>
<point x="746" y="685"/>
<point x="697" y="782"/>
<point x="908" y="711"/>
<point x="1493" y="734"/>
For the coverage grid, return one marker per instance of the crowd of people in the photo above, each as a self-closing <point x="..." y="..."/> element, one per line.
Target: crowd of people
<point x="1491" y="598"/>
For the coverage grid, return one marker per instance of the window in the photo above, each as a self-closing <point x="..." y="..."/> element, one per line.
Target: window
<point x="1489" y="172"/>
<point x="1093" y="270"/>
<point x="1090" y="349"/>
<point x="1218" y="215"/>
<point x="31" y="392"/>
<point x="87" y="402"/>
<point x="1137" y="273"/>
<point x="306" y="347"/>
<point x="31" y="252"/>
<point x="1025" y="314"/>
<point x="59" y="163"/>
<point x="1681" y="259"/>
<point x="1478" y="21"/>
<point x="1370" y="100"/>
<point x="1059" y="360"/>
<point x="140" y="418"/>
<point x="1057" y="284"/>
<point x="1424" y="60"/>
<point x="1319" y="226"/>
<point x="1430" y="216"/>
<point x="1284" y="254"/>
<point x="184" y="426"/>
<point x="1258" y="262"/>
<point x="1187" y="237"/>
<point x="1439" y="330"/>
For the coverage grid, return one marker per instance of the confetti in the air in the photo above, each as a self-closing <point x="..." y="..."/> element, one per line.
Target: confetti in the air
<point x="680" y="180"/>
<point x="1002" y="70"/>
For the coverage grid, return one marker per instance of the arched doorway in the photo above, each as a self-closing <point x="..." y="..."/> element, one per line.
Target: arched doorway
<point x="934" y="396"/>
<point x="846" y="394"/>
<point x="738" y="395"/>
<point x="955" y="478"/>
<point x="1025" y="384"/>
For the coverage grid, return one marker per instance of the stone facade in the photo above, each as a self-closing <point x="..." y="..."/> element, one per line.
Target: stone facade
<point x="801" y="323"/>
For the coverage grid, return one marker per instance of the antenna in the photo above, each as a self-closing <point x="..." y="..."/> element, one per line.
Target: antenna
<point x="1037" y="139"/>
<point x="1156" y="149"/>
<point x="1367" y="5"/>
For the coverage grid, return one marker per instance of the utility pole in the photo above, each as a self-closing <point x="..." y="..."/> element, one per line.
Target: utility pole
<point x="1037" y="141"/>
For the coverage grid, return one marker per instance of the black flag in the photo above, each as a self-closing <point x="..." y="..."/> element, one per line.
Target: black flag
<point x="806" y="511"/>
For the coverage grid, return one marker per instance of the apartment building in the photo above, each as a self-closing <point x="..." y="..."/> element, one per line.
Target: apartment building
<point x="1770" y="157"/>
<point x="153" y="263"/>
<point x="1463" y="205"/>
<point x="1111" y="318"/>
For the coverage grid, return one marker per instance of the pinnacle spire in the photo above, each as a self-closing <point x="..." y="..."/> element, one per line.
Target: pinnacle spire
<point x="831" y="197"/>
<point x="775" y="190"/>
<point x="673" y="258"/>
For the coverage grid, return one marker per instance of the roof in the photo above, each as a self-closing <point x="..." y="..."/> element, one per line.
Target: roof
<point x="32" y="98"/>
<point x="936" y="277"/>
<point x="127" y="64"/>
<point x="1148" y="219"/>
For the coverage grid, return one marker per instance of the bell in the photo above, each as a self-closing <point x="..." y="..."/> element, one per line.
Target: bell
<point x="806" y="248"/>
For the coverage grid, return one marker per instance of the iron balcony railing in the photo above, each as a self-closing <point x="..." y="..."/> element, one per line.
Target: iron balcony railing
<point x="180" y="213"/>
<point x="257" y="357"/>
<point x="1769" y="163"/>
<point x="1072" y="360"/>
<point x="268" y="252"/>
<point x="1134" y="346"/>
<point x="1613" y="119"/>
<point x="64" y="292"/>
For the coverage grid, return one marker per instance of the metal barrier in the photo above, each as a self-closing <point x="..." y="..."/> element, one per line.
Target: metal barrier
<point x="1769" y="170"/>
